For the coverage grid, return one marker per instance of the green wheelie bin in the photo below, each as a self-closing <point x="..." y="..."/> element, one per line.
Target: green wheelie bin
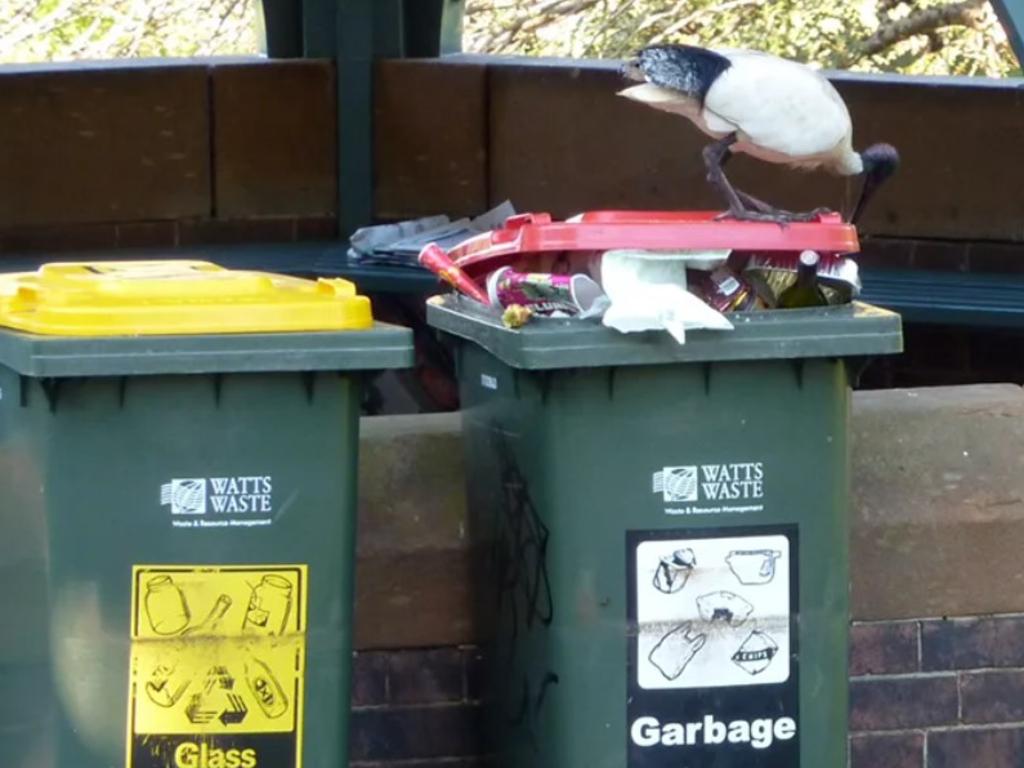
<point x="178" y="450"/>
<point x="665" y="578"/>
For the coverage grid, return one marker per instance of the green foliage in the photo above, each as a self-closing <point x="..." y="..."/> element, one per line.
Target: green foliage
<point x="939" y="37"/>
<point x="62" y="30"/>
<point x="917" y="36"/>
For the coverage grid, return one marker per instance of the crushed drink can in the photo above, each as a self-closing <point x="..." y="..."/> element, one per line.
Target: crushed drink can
<point x="771" y="274"/>
<point x="542" y="292"/>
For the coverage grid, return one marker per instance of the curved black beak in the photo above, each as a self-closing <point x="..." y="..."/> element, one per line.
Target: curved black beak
<point x="867" y="191"/>
<point x="880" y="162"/>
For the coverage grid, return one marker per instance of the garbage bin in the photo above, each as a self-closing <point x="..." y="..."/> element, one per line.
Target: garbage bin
<point x="178" y="451"/>
<point x="665" y="526"/>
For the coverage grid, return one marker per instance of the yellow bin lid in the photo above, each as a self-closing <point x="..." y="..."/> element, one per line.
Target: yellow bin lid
<point x="111" y="298"/>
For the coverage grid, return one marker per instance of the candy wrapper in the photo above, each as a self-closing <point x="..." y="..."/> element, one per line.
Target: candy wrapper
<point x="771" y="274"/>
<point x="434" y="258"/>
<point x="574" y="295"/>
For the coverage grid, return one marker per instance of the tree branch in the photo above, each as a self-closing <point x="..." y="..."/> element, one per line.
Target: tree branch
<point x="969" y="13"/>
<point x="525" y="18"/>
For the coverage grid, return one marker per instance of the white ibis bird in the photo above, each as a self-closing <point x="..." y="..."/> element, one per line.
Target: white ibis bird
<point x="770" y="108"/>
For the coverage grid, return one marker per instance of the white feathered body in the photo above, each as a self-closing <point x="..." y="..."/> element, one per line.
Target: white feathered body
<point x="781" y="111"/>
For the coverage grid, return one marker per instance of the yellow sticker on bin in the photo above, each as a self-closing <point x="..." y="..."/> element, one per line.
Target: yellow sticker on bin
<point x="217" y="666"/>
<point x="130" y="298"/>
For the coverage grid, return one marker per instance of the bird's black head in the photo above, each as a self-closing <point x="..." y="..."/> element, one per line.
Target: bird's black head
<point x="880" y="162"/>
<point x="683" y="68"/>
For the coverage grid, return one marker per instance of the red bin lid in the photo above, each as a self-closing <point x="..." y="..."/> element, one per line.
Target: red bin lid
<point x="654" y="230"/>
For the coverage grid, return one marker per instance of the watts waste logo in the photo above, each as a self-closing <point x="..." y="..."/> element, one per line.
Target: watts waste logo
<point x="740" y="481"/>
<point x="196" y="497"/>
<point x="185" y="497"/>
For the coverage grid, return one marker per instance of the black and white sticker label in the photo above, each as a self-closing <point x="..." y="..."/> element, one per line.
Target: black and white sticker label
<point x="713" y="648"/>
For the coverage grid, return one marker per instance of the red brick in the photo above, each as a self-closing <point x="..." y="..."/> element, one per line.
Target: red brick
<point x="147" y="234"/>
<point x="369" y="679"/>
<point x="415" y="733"/>
<point x="275" y="139"/>
<point x="975" y="748"/>
<point x="972" y="643"/>
<point x="901" y="703"/>
<point x="104" y="144"/>
<point x="883" y="649"/>
<point x="889" y="750"/>
<point x="426" y="676"/>
<point x="992" y="697"/>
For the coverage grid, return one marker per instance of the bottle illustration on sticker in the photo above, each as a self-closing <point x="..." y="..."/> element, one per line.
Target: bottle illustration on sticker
<point x="266" y="688"/>
<point x="166" y="606"/>
<point x="270" y="605"/>
<point x="211" y="623"/>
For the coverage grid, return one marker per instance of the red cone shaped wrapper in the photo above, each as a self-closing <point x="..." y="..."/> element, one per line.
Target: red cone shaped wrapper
<point x="434" y="258"/>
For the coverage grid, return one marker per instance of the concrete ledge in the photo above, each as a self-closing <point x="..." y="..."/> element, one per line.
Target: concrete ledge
<point x="937" y="518"/>
<point x="412" y="581"/>
<point x="938" y="505"/>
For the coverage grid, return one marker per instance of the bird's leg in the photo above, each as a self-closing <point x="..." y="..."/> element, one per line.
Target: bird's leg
<point x="747" y="200"/>
<point x="758" y="205"/>
<point x="715" y="157"/>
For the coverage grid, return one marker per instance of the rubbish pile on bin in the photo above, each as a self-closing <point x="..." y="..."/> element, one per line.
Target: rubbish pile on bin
<point x="640" y="271"/>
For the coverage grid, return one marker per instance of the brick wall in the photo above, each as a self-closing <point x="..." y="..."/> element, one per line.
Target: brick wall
<point x="929" y="693"/>
<point x="938" y="693"/>
<point x="416" y="708"/>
